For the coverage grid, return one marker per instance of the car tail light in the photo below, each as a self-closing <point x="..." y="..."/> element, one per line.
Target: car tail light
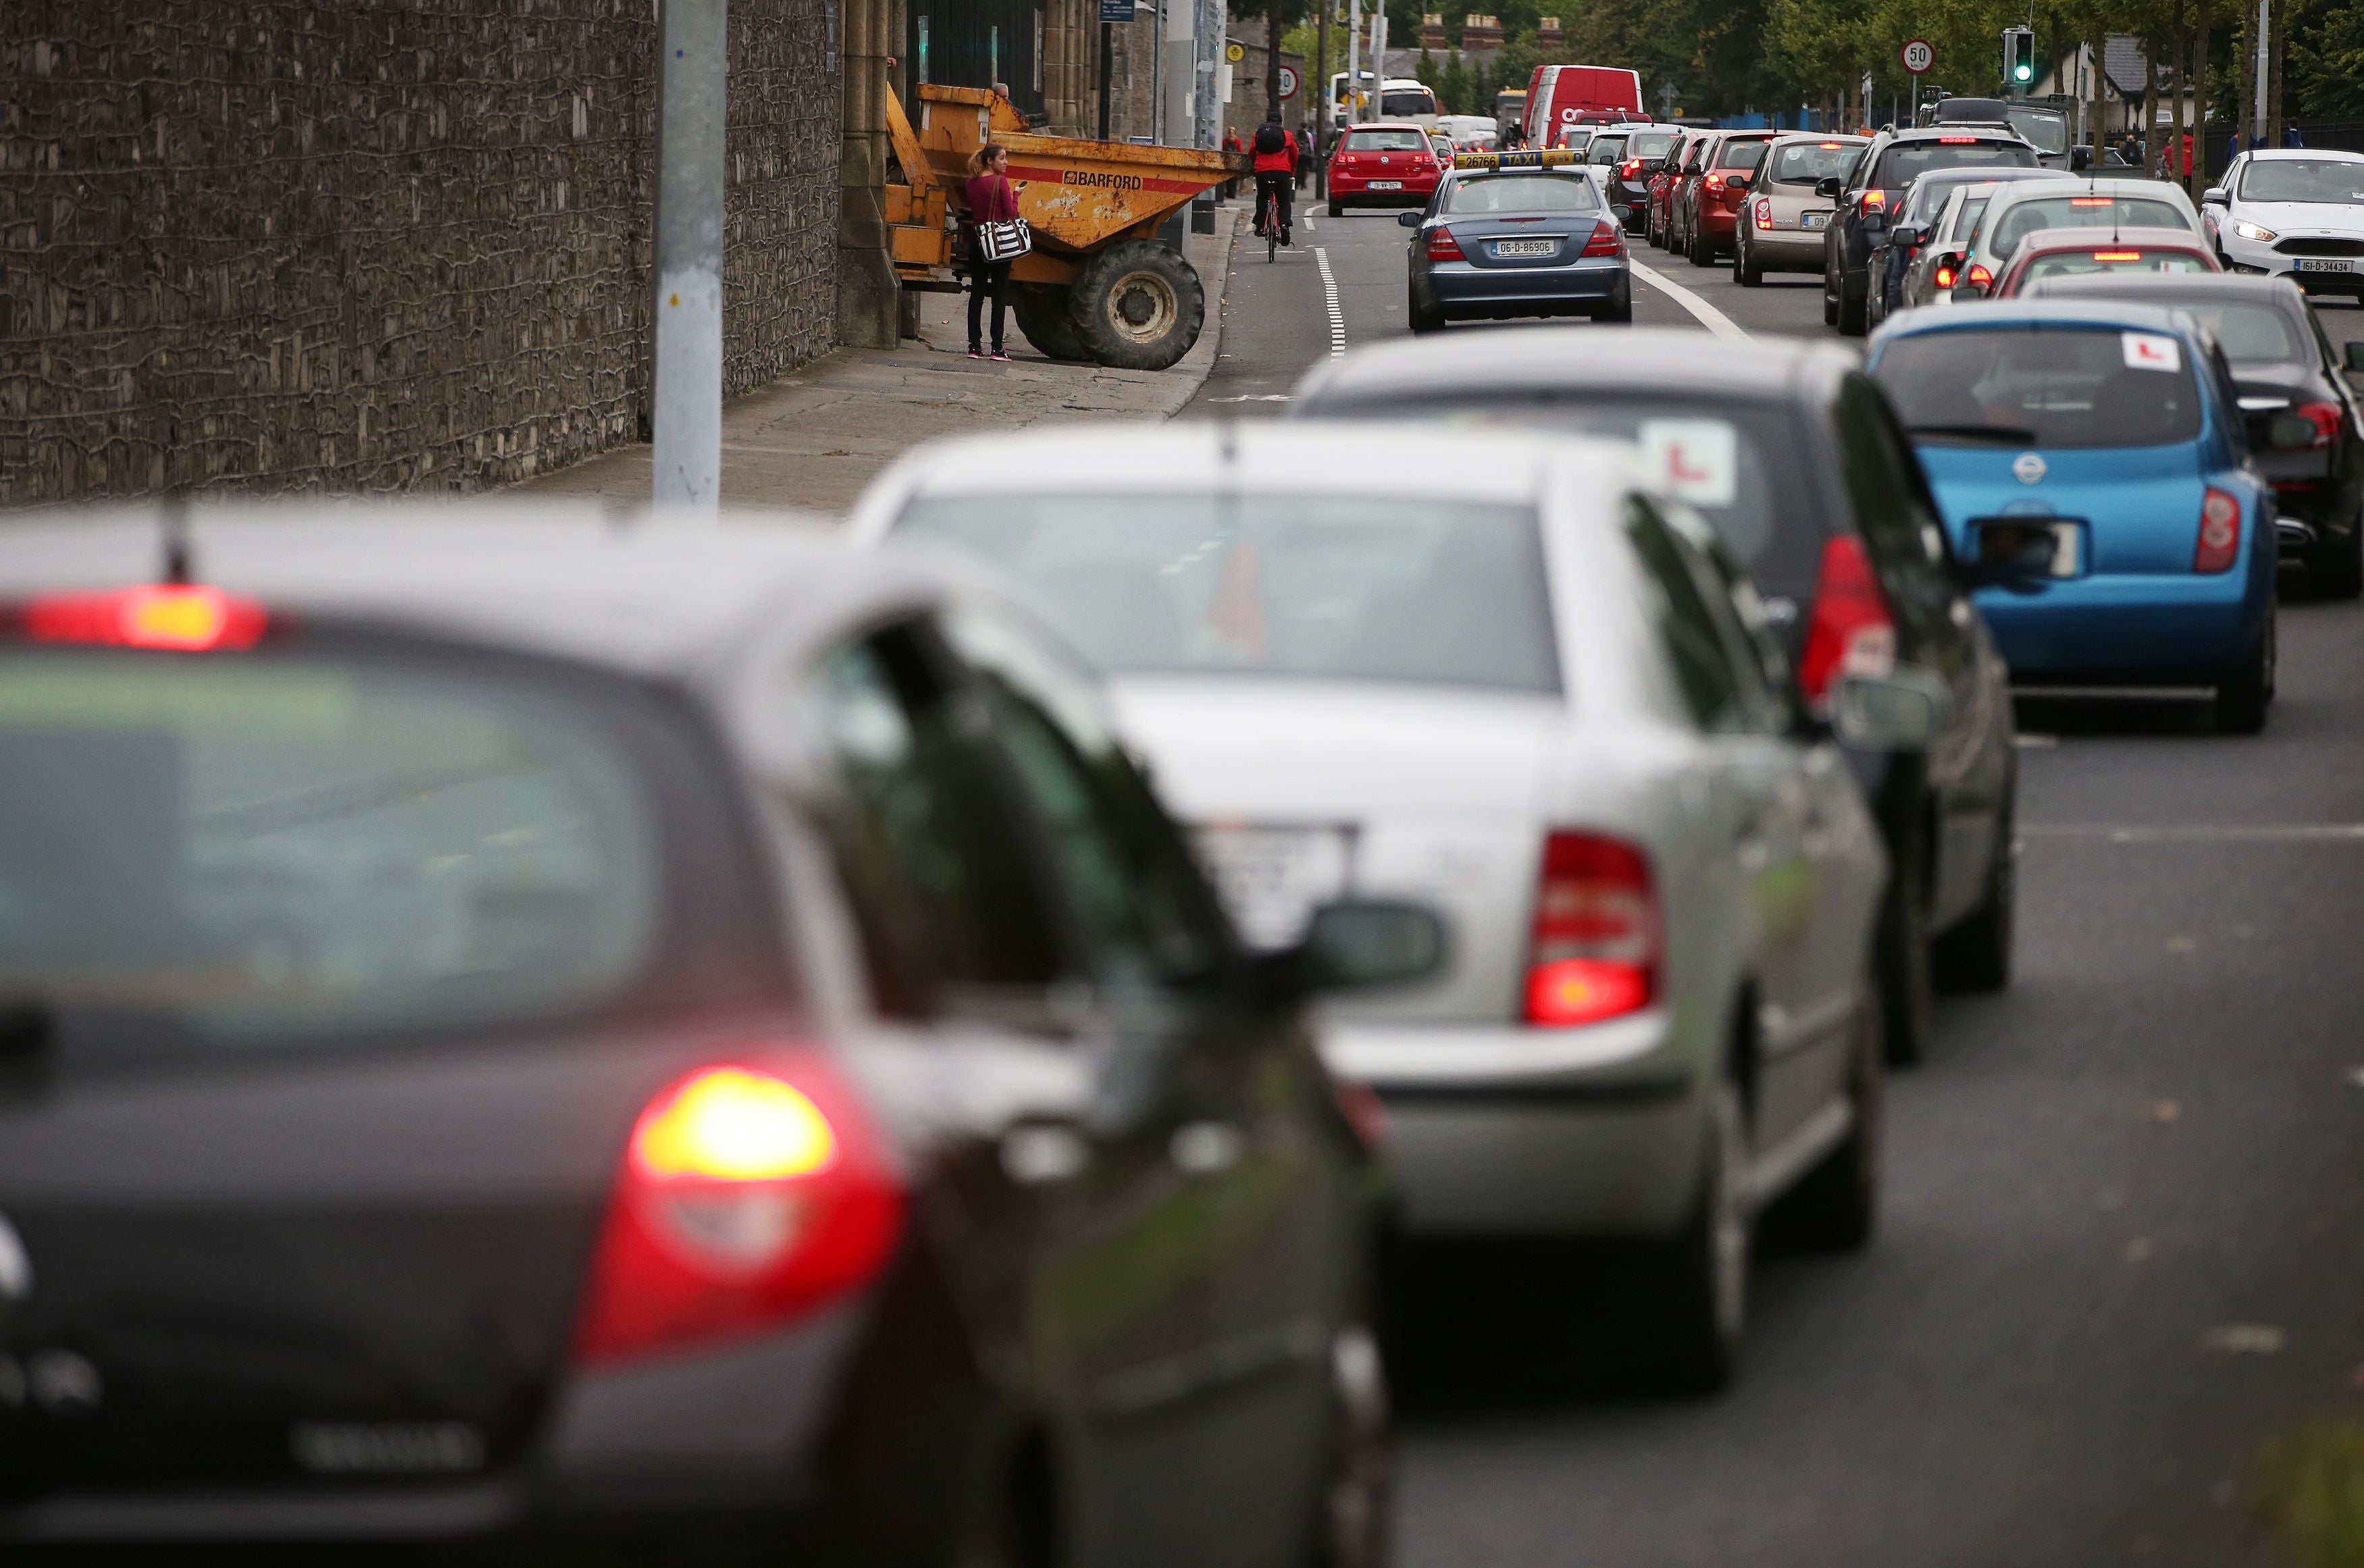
<point x="2092" y="200"/>
<point x="1764" y="213"/>
<point x="2220" y="532"/>
<point x="748" y="1195"/>
<point x="1831" y="146"/>
<point x="171" y="616"/>
<point x="1714" y="181"/>
<point x="1631" y="167"/>
<point x="1608" y="239"/>
<point x="1442" y="246"/>
<point x="1875" y="201"/>
<point x="2117" y="255"/>
<point x="1958" y="141"/>
<point x="1945" y="276"/>
<point x="1598" y="939"/>
<point x="2324" y="417"/>
<point x="1850" y="631"/>
<point x="1978" y="277"/>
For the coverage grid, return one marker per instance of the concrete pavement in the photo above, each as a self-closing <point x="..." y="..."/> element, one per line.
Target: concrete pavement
<point x="815" y="438"/>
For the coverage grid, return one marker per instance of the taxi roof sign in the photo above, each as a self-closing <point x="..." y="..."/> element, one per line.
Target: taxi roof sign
<point x="1527" y="157"/>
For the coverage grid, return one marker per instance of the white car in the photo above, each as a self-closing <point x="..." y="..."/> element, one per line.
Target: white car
<point x="2294" y="212"/>
<point x="1507" y="682"/>
<point x="2020" y="208"/>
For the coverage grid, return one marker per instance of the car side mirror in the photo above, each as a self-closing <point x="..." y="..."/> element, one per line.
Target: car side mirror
<point x="2291" y="432"/>
<point x="1905" y="710"/>
<point x="1907" y="235"/>
<point x="1408" y="219"/>
<point x="1364" y="944"/>
<point x="1739" y="182"/>
<point x="2215" y="196"/>
<point x="1827" y="187"/>
<point x="2352" y="357"/>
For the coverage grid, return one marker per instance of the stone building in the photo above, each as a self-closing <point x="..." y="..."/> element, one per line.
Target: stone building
<point x="369" y="246"/>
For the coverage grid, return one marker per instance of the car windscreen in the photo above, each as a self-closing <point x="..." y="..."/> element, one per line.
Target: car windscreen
<point x="1736" y="462"/>
<point x="2085" y="264"/>
<point x="2045" y="129"/>
<point x="1906" y="162"/>
<point x="1474" y="195"/>
<point x="2334" y="180"/>
<point x="2021" y="218"/>
<point x="306" y="849"/>
<point x="2019" y="387"/>
<point x="1811" y="162"/>
<point x="1305" y="587"/>
<point x="1650" y="143"/>
<point x="1741" y="155"/>
<point x="1411" y="138"/>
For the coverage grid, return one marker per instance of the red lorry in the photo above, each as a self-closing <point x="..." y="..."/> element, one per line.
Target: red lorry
<point x="1560" y="97"/>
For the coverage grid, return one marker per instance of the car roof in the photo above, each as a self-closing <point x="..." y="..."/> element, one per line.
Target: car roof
<point x="1538" y="358"/>
<point x="1268" y="456"/>
<point x="2097" y="185"/>
<point x="1975" y="130"/>
<point x="1824" y="136"/>
<point x="639" y="593"/>
<point x="2178" y="289"/>
<point x="2281" y="154"/>
<point x="2103" y="312"/>
<point x="2156" y="236"/>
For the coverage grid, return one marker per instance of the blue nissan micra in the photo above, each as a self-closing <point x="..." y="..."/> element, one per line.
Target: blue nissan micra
<point x="2093" y="465"/>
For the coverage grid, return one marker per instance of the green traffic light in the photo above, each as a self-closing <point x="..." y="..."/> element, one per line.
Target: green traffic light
<point x="2023" y="72"/>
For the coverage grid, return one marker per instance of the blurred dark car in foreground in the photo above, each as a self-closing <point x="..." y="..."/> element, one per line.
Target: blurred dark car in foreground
<point x="682" y="1033"/>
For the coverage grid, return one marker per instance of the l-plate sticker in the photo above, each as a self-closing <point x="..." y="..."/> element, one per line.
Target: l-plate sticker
<point x="1696" y="461"/>
<point x="2149" y="352"/>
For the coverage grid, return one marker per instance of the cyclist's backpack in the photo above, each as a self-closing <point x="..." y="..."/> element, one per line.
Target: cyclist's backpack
<point x="1270" y="137"/>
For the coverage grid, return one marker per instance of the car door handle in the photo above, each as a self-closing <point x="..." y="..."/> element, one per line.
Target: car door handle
<point x="1205" y="1148"/>
<point x="1040" y="1153"/>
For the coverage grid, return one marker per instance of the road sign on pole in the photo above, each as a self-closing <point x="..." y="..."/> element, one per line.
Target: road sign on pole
<point x="1918" y="56"/>
<point x="1289" y="81"/>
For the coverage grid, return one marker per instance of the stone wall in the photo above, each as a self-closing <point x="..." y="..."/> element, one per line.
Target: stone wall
<point x="373" y="245"/>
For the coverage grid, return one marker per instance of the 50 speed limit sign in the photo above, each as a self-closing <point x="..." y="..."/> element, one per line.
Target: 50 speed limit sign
<point x="1918" y="56"/>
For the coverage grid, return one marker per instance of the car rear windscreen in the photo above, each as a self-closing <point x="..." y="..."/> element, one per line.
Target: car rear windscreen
<point x="2018" y="386"/>
<point x="1741" y="154"/>
<point x="255" y="850"/>
<point x="1306" y="588"/>
<point x="2045" y="129"/>
<point x="2337" y="181"/>
<point x="1606" y="148"/>
<point x="1470" y="195"/>
<point x="1651" y="144"/>
<point x="1811" y="162"/>
<point x="2249" y="332"/>
<point x="2020" y="218"/>
<point x="1407" y="101"/>
<point x="1411" y="138"/>
<point x="2084" y="263"/>
<point x="1906" y="162"/>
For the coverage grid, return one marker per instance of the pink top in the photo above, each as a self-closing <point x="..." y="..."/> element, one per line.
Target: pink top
<point x="991" y="198"/>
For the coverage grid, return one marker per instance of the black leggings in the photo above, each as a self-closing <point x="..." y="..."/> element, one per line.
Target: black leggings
<point x="1275" y="180"/>
<point x="986" y="278"/>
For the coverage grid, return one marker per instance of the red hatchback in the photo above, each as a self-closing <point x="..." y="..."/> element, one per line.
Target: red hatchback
<point x="1664" y="183"/>
<point x="1713" y="200"/>
<point x="1383" y="165"/>
<point x="2075" y="252"/>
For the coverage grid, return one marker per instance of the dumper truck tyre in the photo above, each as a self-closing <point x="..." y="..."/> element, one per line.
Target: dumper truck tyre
<point x="1138" y="305"/>
<point x="1044" y="313"/>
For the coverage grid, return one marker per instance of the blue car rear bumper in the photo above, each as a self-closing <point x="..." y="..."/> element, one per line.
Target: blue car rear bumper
<point x="2155" y="630"/>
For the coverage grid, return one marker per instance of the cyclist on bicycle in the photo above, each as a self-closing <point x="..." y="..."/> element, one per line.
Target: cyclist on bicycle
<point x="1275" y="173"/>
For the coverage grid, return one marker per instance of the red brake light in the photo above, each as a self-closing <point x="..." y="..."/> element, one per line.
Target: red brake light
<point x="170" y="616"/>
<point x="1631" y="167"/>
<point x="1714" y="181"/>
<point x="2323" y="416"/>
<point x="1875" y="200"/>
<point x="1958" y="141"/>
<point x="1945" y="277"/>
<point x="1831" y="146"/>
<point x="1764" y="213"/>
<point x="1608" y="239"/>
<point x="1598" y="939"/>
<point x="747" y="1196"/>
<point x="2092" y="200"/>
<point x="2117" y="255"/>
<point x="1850" y="631"/>
<point x="1978" y="277"/>
<point x="2220" y="532"/>
<point x="1442" y="246"/>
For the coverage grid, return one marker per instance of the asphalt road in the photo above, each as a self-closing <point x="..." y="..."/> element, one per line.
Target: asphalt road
<point x="2125" y="1230"/>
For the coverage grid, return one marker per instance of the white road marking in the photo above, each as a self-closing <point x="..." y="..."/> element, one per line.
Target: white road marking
<point x="1708" y="316"/>
<point x="2204" y="833"/>
<point x="1329" y="300"/>
<point x="1257" y="397"/>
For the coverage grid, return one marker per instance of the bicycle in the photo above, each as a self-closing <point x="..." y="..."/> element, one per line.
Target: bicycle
<point x="1271" y="225"/>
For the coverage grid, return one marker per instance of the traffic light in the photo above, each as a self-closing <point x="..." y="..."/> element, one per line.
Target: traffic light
<point x="2018" y="59"/>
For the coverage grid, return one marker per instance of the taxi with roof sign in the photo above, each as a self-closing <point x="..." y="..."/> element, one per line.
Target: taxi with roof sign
<point x="1520" y="233"/>
<point x="2093" y="463"/>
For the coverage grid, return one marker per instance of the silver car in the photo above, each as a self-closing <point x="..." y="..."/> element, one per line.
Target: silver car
<point x="1508" y="681"/>
<point x="2017" y="209"/>
<point x="1781" y="222"/>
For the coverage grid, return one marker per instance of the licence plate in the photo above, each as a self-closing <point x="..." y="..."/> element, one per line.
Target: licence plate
<point x="2067" y="541"/>
<point x="1387" y="184"/>
<point x="1813" y="220"/>
<point x="1272" y="878"/>
<point x="1525" y="246"/>
<point x="2325" y="264"/>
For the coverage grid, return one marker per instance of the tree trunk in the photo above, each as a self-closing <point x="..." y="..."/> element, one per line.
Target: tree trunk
<point x="2277" y="30"/>
<point x="2150" y="108"/>
<point x="2180" y="36"/>
<point x="2200" y="104"/>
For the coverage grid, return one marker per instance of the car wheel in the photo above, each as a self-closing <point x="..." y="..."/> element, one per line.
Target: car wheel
<point x="1906" y="987"/>
<point x="1851" y="310"/>
<point x="1423" y="321"/>
<point x="1619" y="311"/>
<point x="1745" y="272"/>
<point x="1351" y="1528"/>
<point x="1976" y="954"/>
<point x="1702" y="251"/>
<point x="1830" y="299"/>
<point x="1836" y="1206"/>
<point x="2338" y="572"/>
<point x="1700" y="1297"/>
<point x="1336" y="210"/>
<point x="2247" y="690"/>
